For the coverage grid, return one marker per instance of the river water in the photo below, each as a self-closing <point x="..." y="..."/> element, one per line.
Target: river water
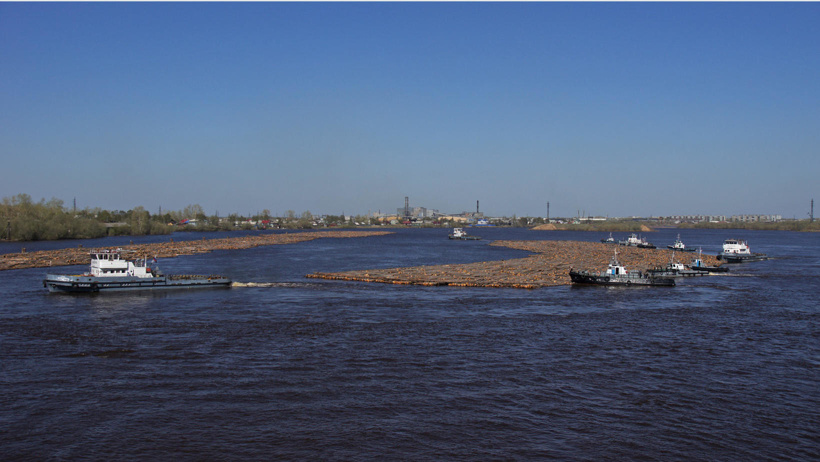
<point x="719" y="368"/>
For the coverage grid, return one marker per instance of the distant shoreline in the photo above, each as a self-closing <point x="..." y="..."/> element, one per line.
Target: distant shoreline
<point x="601" y="227"/>
<point x="596" y="227"/>
<point x="643" y="227"/>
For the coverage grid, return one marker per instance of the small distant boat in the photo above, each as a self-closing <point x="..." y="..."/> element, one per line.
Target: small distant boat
<point x="635" y="241"/>
<point x="679" y="246"/>
<point x="110" y="272"/>
<point x="609" y="240"/>
<point x="481" y="222"/>
<point x="645" y="245"/>
<point x="459" y="233"/>
<point x="617" y="275"/>
<point x="631" y="241"/>
<point x="737" y="251"/>
<point x="697" y="264"/>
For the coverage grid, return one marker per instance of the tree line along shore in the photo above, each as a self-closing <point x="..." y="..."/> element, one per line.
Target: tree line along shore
<point x="22" y="219"/>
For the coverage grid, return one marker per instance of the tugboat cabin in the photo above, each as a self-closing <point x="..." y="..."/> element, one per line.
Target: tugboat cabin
<point x="109" y="263"/>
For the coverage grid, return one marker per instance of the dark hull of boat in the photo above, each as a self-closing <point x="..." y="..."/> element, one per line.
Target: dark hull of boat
<point x="677" y="274"/>
<point x="465" y="238"/>
<point x="734" y="258"/>
<point x="583" y="277"/>
<point x="90" y="284"/>
<point x="640" y="246"/>
<point x="678" y="249"/>
<point x="712" y="269"/>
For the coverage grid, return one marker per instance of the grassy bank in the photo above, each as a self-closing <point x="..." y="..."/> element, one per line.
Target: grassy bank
<point x="603" y="226"/>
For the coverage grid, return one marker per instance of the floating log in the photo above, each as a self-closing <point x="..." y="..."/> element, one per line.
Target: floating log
<point x="548" y="267"/>
<point x="79" y="256"/>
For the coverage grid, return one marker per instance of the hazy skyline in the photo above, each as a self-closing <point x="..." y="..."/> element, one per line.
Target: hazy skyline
<point x="615" y="109"/>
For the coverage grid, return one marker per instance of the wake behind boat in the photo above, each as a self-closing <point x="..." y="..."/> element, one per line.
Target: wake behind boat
<point x="110" y="272"/>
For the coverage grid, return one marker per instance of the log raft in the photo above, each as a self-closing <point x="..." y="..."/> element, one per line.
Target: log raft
<point x="549" y="266"/>
<point x="79" y="255"/>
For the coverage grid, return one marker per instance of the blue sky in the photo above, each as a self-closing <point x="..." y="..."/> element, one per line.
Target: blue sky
<point x="613" y="109"/>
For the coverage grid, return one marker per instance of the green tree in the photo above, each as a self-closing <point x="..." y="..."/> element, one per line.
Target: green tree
<point x="140" y="221"/>
<point x="306" y="221"/>
<point x="193" y="211"/>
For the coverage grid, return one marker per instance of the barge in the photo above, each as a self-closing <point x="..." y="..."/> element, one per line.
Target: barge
<point x="110" y="272"/>
<point x="675" y="269"/>
<point x="617" y="275"/>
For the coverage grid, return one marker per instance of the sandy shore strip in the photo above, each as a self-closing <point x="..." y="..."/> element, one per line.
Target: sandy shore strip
<point x="548" y="267"/>
<point x="80" y="255"/>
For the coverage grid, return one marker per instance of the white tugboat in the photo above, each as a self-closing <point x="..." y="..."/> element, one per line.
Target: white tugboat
<point x="635" y="241"/>
<point x="110" y="272"/>
<point x="679" y="246"/>
<point x="631" y="241"/>
<point x="737" y="251"/>
<point x="459" y="233"/>
<point x="617" y="275"/>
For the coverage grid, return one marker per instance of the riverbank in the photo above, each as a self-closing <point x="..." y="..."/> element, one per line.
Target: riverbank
<point x="605" y="227"/>
<point x="619" y="227"/>
<point x="804" y="226"/>
<point x="79" y="255"/>
<point x="548" y="267"/>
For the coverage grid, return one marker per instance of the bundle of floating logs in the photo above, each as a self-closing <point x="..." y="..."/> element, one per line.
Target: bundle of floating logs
<point x="548" y="267"/>
<point x="80" y="255"/>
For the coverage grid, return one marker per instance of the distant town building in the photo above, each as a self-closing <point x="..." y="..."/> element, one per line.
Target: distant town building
<point x="695" y="218"/>
<point x="722" y="218"/>
<point x="756" y="218"/>
<point x="418" y="212"/>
